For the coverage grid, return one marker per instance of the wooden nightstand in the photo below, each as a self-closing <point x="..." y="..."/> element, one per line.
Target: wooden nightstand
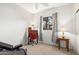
<point x="63" y="39"/>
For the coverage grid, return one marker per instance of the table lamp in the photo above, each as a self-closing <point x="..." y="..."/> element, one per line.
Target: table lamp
<point x="63" y="30"/>
<point x="34" y="27"/>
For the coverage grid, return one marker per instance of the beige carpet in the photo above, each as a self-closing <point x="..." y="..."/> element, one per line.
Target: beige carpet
<point x="43" y="49"/>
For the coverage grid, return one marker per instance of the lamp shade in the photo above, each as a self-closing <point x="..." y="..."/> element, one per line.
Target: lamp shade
<point x="63" y="29"/>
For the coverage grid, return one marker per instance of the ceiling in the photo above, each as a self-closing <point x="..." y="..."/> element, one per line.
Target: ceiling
<point x="37" y="7"/>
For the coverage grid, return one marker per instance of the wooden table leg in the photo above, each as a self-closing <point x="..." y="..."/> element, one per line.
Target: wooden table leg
<point x="59" y="44"/>
<point x="67" y="45"/>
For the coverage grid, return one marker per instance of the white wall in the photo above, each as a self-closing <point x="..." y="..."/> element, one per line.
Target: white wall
<point x="64" y="17"/>
<point x="14" y="21"/>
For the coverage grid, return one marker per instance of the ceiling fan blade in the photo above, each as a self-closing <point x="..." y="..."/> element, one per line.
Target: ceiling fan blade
<point x="45" y="4"/>
<point x="36" y="6"/>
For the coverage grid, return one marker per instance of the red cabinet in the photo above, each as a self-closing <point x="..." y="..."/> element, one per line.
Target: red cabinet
<point x="32" y="35"/>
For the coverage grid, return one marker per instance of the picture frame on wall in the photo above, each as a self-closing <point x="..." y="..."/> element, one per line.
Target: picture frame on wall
<point x="47" y="23"/>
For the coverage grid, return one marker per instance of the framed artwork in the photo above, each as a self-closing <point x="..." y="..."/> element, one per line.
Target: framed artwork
<point x="47" y="23"/>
